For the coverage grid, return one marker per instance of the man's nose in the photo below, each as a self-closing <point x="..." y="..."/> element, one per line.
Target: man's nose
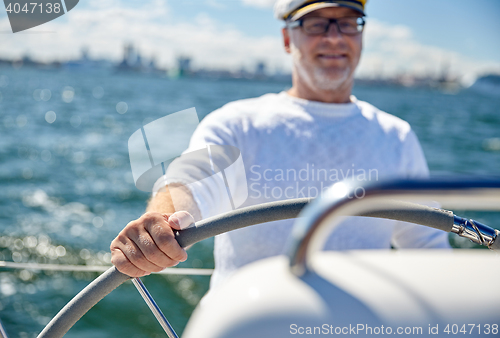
<point x="333" y="31"/>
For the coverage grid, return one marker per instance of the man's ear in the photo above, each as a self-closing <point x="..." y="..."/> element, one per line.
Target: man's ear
<point x="286" y="39"/>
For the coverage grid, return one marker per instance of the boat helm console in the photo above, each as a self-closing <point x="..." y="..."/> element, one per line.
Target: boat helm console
<point x="362" y="292"/>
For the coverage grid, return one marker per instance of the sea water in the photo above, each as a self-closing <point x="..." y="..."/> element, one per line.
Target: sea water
<point x="66" y="188"/>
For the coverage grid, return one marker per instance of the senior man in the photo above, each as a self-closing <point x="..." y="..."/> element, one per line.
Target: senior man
<point x="293" y="144"/>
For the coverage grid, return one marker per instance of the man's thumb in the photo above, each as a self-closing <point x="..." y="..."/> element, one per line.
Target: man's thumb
<point x="181" y="220"/>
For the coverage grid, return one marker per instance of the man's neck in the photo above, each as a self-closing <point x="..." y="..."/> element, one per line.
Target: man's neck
<point x="340" y="95"/>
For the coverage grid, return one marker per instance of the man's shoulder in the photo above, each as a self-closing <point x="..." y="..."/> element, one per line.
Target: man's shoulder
<point x="246" y="106"/>
<point x="241" y="114"/>
<point x="387" y="121"/>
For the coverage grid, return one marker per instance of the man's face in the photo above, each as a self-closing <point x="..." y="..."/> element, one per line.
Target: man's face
<point x="326" y="61"/>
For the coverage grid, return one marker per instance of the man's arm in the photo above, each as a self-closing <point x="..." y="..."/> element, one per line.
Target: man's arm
<point x="163" y="203"/>
<point x="148" y="244"/>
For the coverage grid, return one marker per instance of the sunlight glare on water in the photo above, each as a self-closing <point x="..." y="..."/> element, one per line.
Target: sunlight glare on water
<point x="66" y="187"/>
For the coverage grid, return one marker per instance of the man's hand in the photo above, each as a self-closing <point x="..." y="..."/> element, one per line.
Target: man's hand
<point x="148" y="244"/>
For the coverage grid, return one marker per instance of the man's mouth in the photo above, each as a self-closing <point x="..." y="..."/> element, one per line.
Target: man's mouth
<point x="332" y="56"/>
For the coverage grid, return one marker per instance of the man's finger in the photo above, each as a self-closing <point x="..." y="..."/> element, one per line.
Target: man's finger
<point x="152" y="252"/>
<point x="123" y="265"/>
<point x="133" y="253"/>
<point x="164" y="238"/>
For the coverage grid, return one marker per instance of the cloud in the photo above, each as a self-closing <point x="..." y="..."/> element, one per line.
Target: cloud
<point x="259" y="3"/>
<point x="391" y="50"/>
<point x="105" y="26"/>
<point x="105" y="29"/>
<point x="215" y="4"/>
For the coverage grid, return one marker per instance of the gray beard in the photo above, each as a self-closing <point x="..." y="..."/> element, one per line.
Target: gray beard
<point x="317" y="79"/>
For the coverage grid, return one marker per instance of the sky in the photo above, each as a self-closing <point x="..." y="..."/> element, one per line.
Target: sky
<point x="419" y="37"/>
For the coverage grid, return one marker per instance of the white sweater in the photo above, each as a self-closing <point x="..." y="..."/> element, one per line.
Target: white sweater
<point x="294" y="148"/>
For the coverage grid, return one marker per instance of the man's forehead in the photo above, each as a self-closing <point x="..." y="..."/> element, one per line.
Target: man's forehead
<point x="333" y="12"/>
